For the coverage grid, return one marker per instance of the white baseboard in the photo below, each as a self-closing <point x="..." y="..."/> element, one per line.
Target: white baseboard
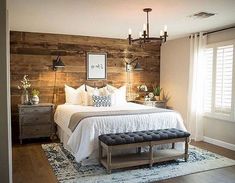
<point x="219" y="143"/>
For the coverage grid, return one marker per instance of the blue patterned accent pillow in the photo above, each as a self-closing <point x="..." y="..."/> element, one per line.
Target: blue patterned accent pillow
<point x="101" y="101"/>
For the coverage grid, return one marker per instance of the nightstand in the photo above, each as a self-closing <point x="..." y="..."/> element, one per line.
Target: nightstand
<point x="160" y="104"/>
<point x="36" y="121"/>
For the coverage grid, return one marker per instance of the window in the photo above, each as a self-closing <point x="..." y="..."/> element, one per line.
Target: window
<point x="219" y="83"/>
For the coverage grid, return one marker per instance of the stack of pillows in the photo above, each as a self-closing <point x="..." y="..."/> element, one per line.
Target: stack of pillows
<point x="102" y="97"/>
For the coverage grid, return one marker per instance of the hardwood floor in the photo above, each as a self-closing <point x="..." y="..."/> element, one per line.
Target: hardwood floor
<point x="30" y="165"/>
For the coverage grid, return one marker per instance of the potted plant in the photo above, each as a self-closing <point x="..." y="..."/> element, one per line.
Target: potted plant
<point x="35" y="98"/>
<point x="157" y="91"/>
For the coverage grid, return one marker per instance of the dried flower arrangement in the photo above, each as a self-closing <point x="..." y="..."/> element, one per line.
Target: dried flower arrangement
<point x="25" y="84"/>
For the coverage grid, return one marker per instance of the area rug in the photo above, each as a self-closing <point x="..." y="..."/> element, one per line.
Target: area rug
<point x="67" y="170"/>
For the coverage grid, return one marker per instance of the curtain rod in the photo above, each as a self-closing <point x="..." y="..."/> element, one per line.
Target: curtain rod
<point x="219" y="30"/>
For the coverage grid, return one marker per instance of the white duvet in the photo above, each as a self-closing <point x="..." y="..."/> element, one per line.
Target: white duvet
<point x="83" y="142"/>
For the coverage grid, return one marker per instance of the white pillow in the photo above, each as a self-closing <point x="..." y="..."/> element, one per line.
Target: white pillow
<point x="74" y="96"/>
<point x="111" y="88"/>
<point x="87" y="95"/>
<point x="118" y="95"/>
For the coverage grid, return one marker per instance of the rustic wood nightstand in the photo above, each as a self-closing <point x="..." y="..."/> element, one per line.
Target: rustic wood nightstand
<point x="36" y="121"/>
<point x="160" y="104"/>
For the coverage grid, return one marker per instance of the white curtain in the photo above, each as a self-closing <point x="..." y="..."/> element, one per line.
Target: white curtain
<point x="195" y="90"/>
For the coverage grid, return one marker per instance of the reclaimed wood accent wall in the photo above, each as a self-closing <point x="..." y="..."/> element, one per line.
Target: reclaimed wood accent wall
<point x="32" y="54"/>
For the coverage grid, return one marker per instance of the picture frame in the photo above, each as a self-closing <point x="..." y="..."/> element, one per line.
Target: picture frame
<point x="96" y="66"/>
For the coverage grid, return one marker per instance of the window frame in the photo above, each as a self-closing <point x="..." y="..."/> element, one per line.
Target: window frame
<point x="213" y="114"/>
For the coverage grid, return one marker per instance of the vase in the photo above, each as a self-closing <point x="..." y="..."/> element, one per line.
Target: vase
<point x="157" y="98"/>
<point x="25" y="97"/>
<point x="35" y="100"/>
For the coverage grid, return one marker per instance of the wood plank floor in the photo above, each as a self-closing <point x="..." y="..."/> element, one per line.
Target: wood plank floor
<point x="30" y="165"/>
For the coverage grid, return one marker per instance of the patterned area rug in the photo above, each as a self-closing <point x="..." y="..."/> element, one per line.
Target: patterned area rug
<point x="67" y="170"/>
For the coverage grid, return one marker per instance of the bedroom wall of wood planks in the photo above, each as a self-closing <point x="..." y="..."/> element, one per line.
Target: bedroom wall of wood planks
<point x="32" y="54"/>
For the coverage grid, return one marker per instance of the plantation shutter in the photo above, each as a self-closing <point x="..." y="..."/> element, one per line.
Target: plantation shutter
<point x="208" y="80"/>
<point x="223" y="80"/>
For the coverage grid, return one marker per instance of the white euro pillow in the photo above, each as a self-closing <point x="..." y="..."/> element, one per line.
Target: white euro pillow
<point x="74" y="96"/>
<point x="118" y="95"/>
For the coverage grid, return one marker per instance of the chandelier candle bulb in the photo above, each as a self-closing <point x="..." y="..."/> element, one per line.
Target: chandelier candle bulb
<point x="165" y="28"/>
<point x="161" y="33"/>
<point x="129" y="31"/>
<point x="144" y="27"/>
<point x="140" y="34"/>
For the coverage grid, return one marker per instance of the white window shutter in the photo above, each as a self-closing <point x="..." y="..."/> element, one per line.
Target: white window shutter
<point x="223" y="80"/>
<point x="208" y="80"/>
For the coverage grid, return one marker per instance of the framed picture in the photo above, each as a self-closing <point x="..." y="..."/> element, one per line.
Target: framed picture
<point x="96" y="66"/>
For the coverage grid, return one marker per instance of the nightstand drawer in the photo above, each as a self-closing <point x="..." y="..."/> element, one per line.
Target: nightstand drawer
<point x="36" y="131"/>
<point x="36" y="119"/>
<point x="30" y="110"/>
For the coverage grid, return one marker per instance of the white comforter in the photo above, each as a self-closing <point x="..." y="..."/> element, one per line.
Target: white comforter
<point x="83" y="142"/>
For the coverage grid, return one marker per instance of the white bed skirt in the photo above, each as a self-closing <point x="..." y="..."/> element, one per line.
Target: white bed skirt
<point x="64" y="137"/>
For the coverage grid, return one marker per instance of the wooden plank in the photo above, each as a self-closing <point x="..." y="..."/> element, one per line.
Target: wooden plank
<point x="136" y="159"/>
<point x="32" y="54"/>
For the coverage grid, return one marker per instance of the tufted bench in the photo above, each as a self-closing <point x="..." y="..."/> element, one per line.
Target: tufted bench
<point x="150" y="138"/>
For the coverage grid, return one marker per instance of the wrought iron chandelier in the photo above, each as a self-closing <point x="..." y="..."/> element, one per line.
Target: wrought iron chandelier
<point x="144" y="36"/>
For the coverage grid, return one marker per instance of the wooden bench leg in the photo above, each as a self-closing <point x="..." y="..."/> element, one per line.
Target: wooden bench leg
<point x="138" y="150"/>
<point x="109" y="160"/>
<point x="100" y="152"/>
<point x="150" y="156"/>
<point x="186" y="149"/>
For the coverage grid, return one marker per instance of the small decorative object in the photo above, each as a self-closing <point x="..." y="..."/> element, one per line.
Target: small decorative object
<point x="96" y="66"/>
<point x="142" y="88"/>
<point x="151" y="95"/>
<point x="157" y="91"/>
<point x="35" y="98"/>
<point x="146" y="98"/>
<point x="25" y="84"/>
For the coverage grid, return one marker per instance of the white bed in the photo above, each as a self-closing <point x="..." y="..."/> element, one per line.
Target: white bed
<point x="83" y="142"/>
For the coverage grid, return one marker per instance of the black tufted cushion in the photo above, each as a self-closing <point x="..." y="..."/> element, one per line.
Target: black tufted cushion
<point x="142" y="136"/>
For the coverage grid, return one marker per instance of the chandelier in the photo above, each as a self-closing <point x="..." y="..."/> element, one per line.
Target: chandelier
<point x="144" y="36"/>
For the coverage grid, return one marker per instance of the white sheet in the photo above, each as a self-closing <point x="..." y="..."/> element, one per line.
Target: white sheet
<point x="83" y="142"/>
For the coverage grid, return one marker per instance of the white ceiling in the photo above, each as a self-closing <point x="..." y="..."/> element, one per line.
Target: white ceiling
<point x="112" y="18"/>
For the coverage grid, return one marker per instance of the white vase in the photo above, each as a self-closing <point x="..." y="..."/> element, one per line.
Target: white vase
<point x="35" y="100"/>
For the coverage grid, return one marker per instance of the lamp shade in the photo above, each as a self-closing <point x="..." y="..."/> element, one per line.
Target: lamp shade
<point x="138" y="67"/>
<point x="57" y="63"/>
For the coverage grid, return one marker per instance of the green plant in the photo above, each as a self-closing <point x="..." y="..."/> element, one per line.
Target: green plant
<point x="35" y="92"/>
<point x="157" y="91"/>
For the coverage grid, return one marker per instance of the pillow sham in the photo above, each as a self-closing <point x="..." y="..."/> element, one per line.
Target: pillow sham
<point x="87" y="95"/>
<point x="101" y="101"/>
<point x="74" y="96"/>
<point x="118" y="95"/>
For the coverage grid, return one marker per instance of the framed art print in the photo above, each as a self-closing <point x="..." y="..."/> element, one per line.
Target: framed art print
<point x="96" y="66"/>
